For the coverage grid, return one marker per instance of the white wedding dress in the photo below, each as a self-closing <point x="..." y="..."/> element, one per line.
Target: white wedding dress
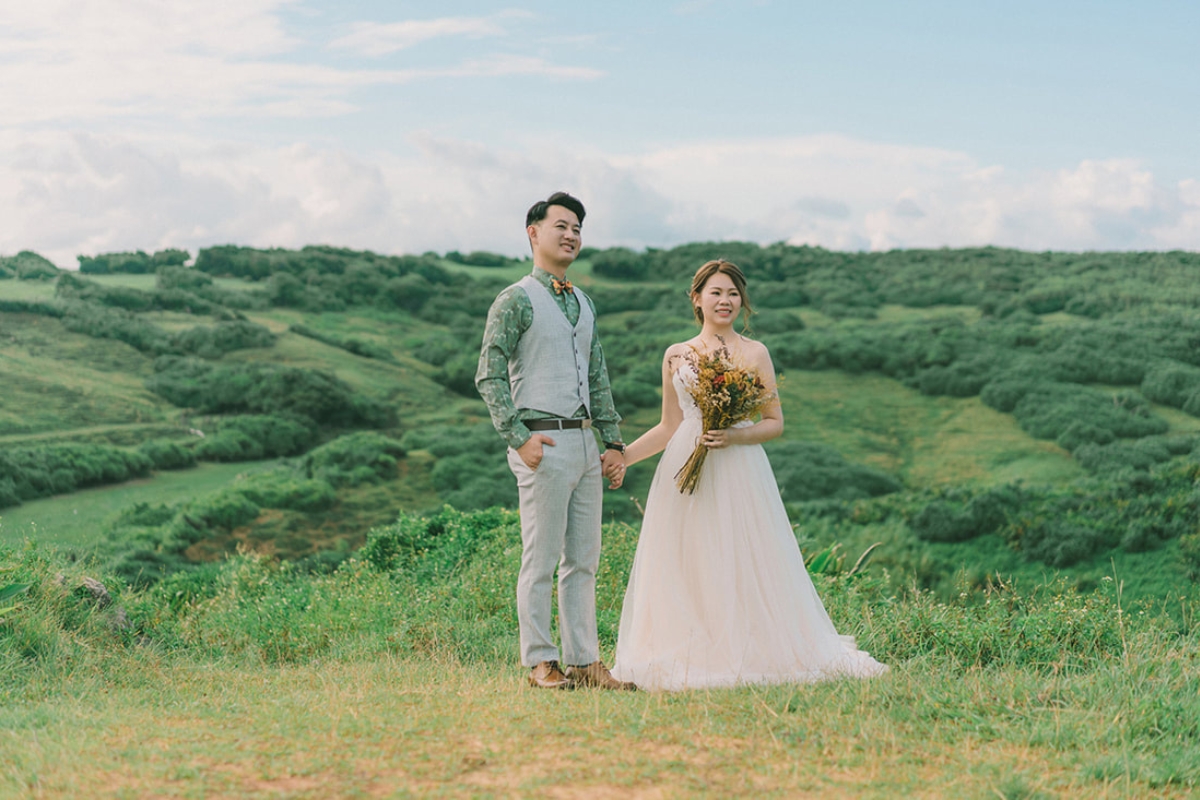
<point x="718" y="594"/>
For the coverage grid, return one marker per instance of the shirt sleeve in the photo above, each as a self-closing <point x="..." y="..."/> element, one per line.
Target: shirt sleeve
<point x="510" y="316"/>
<point x="604" y="412"/>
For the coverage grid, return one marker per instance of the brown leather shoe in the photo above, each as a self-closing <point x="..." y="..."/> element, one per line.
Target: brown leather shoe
<point x="597" y="676"/>
<point x="547" y="675"/>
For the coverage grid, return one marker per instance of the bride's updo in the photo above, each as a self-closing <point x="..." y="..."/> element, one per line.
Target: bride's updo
<point x="735" y="274"/>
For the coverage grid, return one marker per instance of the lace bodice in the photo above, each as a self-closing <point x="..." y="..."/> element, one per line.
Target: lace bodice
<point x="684" y="378"/>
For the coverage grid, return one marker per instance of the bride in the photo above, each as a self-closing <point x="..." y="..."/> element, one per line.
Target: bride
<point x="718" y="594"/>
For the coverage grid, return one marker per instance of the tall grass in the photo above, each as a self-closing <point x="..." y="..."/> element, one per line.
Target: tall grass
<point x="396" y="674"/>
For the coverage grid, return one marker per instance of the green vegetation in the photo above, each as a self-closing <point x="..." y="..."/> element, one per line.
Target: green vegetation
<point x="403" y="658"/>
<point x="1012" y="436"/>
<point x="951" y="401"/>
<point x="137" y="263"/>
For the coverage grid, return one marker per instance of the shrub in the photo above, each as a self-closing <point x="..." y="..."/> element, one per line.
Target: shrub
<point x="265" y="389"/>
<point x="177" y="277"/>
<point x="355" y="346"/>
<point x="1122" y="455"/>
<point x="28" y="266"/>
<point x="102" y="322"/>
<point x="479" y="258"/>
<point x="27" y="473"/>
<point x="212" y="342"/>
<point x="252" y="437"/>
<point x="471" y="471"/>
<point x="959" y="379"/>
<point x="1061" y="543"/>
<point x="441" y="541"/>
<point x="620" y="263"/>
<point x="1076" y="415"/>
<point x="458" y="374"/>
<point x="940" y="522"/>
<point x="168" y="454"/>
<point x="1171" y="383"/>
<point x="353" y="459"/>
<point x="950" y="520"/>
<point x="281" y="488"/>
<point x="811" y="471"/>
<point x="137" y="262"/>
<point x="30" y="307"/>
<point x="230" y="445"/>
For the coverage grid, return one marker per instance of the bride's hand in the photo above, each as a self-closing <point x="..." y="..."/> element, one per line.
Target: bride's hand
<point x="715" y="440"/>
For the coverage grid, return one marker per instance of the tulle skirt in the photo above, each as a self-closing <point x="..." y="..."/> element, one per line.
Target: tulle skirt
<point x="718" y="594"/>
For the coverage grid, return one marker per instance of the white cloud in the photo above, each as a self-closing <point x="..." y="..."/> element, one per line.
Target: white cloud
<point x="67" y="194"/>
<point x="77" y="63"/>
<point x="379" y="39"/>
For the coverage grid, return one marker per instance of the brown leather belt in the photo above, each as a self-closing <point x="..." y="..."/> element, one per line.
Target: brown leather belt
<point x="556" y="424"/>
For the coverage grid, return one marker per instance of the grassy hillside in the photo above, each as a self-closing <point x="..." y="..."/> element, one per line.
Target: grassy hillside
<point x="913" y="365"/>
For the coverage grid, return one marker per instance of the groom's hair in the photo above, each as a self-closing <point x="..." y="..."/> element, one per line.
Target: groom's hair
<point x="724" y="267"/>
<point x="537" y="212"/>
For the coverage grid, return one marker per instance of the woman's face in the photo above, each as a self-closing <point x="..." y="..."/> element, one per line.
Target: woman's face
<point x="719" y="300"/>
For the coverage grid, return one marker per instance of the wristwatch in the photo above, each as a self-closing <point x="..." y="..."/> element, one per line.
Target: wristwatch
<point x="618" y="446"/>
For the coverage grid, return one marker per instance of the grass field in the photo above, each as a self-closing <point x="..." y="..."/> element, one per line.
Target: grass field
<point x="77" y="519"/>
<point x="401" y="728"/>
<point x="360" y="684"/>
<point x="926" y="441"/>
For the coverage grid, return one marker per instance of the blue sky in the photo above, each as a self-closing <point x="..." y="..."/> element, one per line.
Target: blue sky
<point x="406" y="127"/>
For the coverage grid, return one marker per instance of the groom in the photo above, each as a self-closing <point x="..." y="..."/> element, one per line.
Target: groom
<point x="542" y="374"/>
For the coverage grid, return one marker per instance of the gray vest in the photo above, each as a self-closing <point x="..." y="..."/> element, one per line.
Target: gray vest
<point x="548" y="371"/>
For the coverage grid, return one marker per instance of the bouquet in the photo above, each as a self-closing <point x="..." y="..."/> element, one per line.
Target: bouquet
<point x="726" y="393"/>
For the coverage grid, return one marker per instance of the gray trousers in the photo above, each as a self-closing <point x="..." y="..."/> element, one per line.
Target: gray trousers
<point x="560" y="527"/>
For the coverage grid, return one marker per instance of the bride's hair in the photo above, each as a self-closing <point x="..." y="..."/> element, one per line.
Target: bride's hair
<point x="739" y="282"/>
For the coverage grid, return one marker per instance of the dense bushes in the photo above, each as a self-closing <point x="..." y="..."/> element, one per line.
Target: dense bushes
<point x="103" y="322"/>
<point x="811" y="471"/>
<point x="259" y="388"/>
<point x="356" y="346"/>
<point x="1061" y="527"/>
<point x="146" y="543"/>
<point x="1174" y="384"/>
<point x="1073" y="415"/>
<point x="114" y="322"/>
<point x="955" y="518"/>
<point x="30" y="307"/>
<point x="214" y="341"/>
<point x="471" y="470"/>
<point x="28" y="266"/>
<point x="167" y="454"/>
<point x="253" y="437"/>
<point x="1141" y="454"/>
<point x="136" y="263"/>
<point x="27" y="473"/>
<point x="357" y="458"/>
<point x="479" y="258"/>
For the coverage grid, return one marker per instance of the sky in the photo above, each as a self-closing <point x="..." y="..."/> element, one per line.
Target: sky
<point x="405" y="127"/>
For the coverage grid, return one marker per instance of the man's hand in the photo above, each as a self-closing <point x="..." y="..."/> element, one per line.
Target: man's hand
<point x="613" y="466"/>
<point x="531" y="451"/>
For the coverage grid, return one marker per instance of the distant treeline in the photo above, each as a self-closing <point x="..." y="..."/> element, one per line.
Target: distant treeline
<point x="134" y="263"/>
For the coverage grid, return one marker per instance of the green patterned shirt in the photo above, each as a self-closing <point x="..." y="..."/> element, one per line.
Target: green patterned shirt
<point x="509" y="317"/>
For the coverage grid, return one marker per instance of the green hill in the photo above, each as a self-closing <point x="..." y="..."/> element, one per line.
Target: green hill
<point x="978" y="411"/>
<point x="254" y="537"/>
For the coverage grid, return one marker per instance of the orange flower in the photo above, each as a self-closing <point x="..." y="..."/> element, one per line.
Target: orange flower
<point x="726" y="393"/>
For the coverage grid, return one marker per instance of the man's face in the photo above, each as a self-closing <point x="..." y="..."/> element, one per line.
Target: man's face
<point x="557" y="238"/>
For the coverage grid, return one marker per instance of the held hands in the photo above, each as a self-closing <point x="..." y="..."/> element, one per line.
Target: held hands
<point x="531" y="451"/>
<point x="612" y="464"/>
